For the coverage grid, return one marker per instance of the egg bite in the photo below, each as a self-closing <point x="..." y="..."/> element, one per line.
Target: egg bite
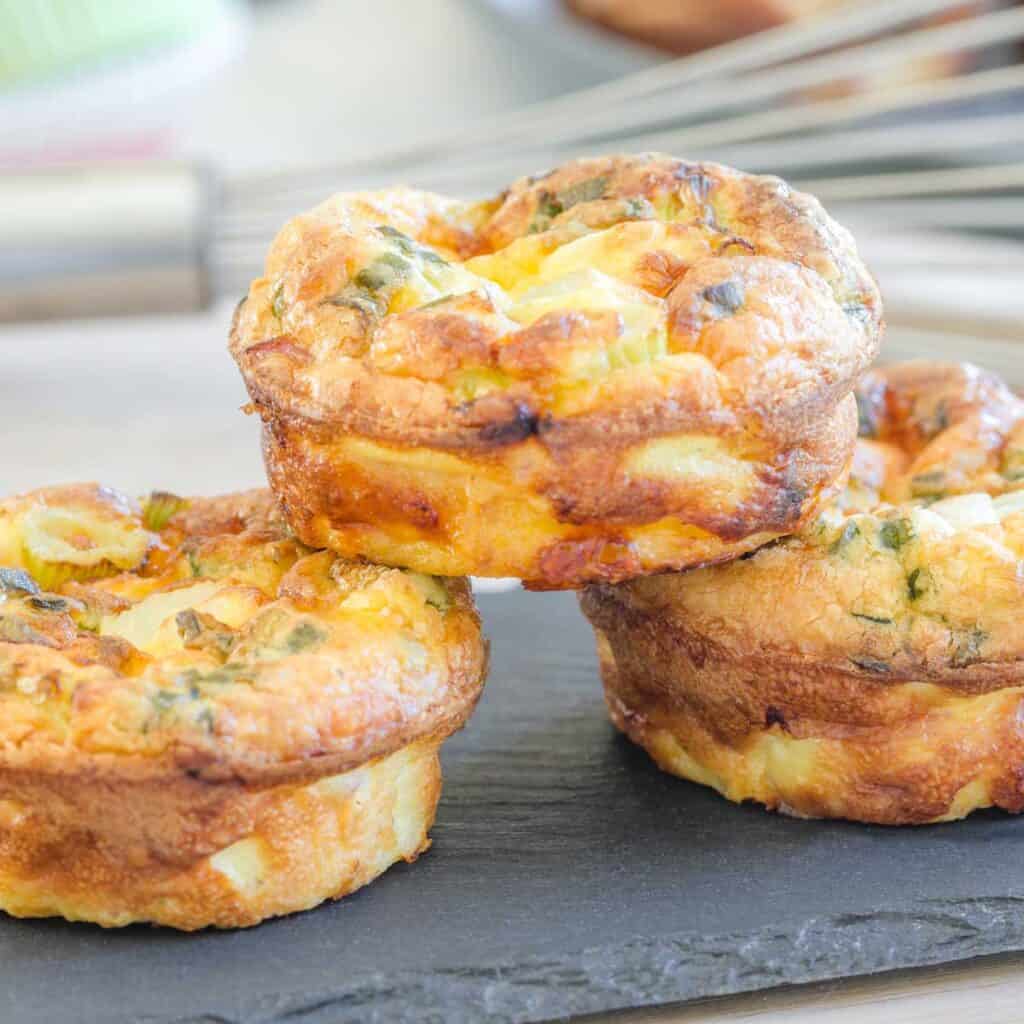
<point x="627" y="365"/>
<point x="204" y="722"/>
<point x="872" y="667"/>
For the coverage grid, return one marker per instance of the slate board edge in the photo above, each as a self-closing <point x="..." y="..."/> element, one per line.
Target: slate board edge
<point x="648" y="972"/>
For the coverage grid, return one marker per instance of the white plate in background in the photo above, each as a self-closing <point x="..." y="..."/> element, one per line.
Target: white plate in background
<point x="121" y="108"/>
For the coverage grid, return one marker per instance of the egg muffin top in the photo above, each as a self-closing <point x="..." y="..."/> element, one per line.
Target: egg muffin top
<point x="624" y="294"/>
<point x="199" y="636"/>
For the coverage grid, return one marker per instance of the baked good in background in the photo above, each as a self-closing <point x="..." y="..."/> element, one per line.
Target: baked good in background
<point x="626" y="365"/>
<point x="688" y="26"/>
<point x="682" y="27"/>
<point x="205" y="722"/>
<point x="873" y="666"/>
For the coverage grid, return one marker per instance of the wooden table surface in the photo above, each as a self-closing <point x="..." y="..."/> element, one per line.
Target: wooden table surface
<point x="987" y="991"/>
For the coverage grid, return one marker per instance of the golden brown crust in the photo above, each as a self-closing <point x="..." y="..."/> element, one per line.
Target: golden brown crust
<point x="960" y="427"/>
<point x="872" y="667"/>
<point x="434" y="375"/>
<point x="224" y="856"/>
<point x="187" y="667"/>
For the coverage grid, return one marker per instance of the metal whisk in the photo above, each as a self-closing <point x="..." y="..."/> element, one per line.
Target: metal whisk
<point x="927" y="158"/>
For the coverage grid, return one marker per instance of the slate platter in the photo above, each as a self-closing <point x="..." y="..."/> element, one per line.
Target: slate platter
<point x="568" y="876"/>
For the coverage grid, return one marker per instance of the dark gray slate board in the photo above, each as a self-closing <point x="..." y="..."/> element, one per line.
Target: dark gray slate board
<point x="567" y="876"/>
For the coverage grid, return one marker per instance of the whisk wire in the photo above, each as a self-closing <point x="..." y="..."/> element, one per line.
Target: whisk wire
<point x="761" y="103"/>
<point x="475" y="175"/>
<point x="775" y="46"/>
<point x="754" y="89"/>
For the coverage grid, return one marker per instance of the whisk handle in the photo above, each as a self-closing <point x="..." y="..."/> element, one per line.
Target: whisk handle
<point x="101" y="239"/>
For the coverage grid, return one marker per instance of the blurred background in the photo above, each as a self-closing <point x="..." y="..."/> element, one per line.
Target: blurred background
<point x="149" y="152"/>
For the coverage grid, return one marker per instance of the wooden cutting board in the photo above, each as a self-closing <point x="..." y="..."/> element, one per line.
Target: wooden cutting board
<point x="568" y="876"/>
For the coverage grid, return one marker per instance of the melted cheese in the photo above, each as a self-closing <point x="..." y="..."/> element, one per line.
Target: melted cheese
<point x="1009" y="505"/>
<point x="243" y="864"/>
<point x="141" y="624"/>
<point x="692" y="457"/>
<point x="966" y="511"/>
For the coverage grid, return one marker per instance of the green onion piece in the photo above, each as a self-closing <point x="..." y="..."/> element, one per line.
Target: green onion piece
<point x="159" y="508"/>
<point x="894" y="533"/>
